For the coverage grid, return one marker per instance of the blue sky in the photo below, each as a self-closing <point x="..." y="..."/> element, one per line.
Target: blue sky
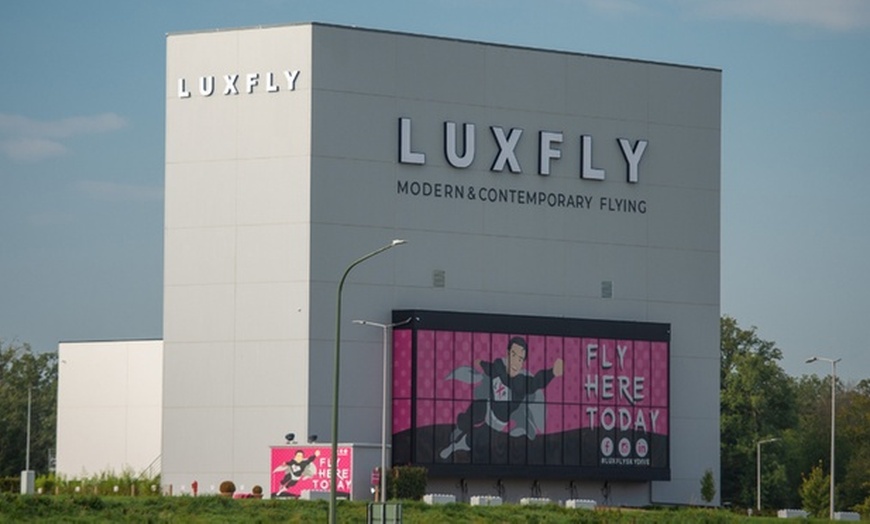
<point x="82" y="131"/>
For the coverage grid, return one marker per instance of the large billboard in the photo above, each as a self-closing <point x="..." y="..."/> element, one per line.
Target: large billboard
<point x="307" y="467"/>
<point x="537" y="397"/>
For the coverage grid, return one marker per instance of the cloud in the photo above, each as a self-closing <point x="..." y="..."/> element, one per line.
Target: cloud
<point x="829" y="15"/>
<point x="24" y="139"/>
<point x="115" y="192"/>
<point x="616" y="7"/>
<point x="31" y="149"/>
<point x="832" y="15"/>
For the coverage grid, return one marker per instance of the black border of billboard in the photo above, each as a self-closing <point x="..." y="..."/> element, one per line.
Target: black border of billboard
<point x="423" y="319"/>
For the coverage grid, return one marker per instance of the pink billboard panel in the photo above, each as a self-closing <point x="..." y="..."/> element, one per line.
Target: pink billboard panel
<point x="542" y="395"/>
<point x="306" y="467"/>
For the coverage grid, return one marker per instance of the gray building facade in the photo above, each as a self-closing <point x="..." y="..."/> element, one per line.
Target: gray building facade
<point x="525" y="181"/>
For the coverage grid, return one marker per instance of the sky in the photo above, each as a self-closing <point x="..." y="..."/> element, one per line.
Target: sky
<point x="82" y="148"/>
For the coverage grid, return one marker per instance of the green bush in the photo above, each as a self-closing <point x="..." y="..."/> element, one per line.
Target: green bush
<point x="106" y="483"/>
<point x="204" y="509"/>
<point x="407" y="482"/>
<point x="10" y="484"/>
<point x="46" y="483"/>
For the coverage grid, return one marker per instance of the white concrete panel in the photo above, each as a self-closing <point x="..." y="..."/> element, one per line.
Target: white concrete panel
<point x="683" y="156"/>
<point x="362" y="127"/>
<point x="538" y="84"/>
<point x="523" y="266"/>
<point x="322" y="309"/>
<point x="78" y="365"/>
<point x="92" y="440"/>
<point x="676" y="206"/>
<point x="442" y="70"/>
<point x="685" y="96"/>
<point x="320" y="390"/>
<point x="272" y="253"/>
<point x="269" y="311"/>
<point x="196" y="442"/>
<point x="684" y="276"/>
<point x="198" y="375"/>
<point x="143" y="433"/>
<point x="695" y="375"/>
<point x="273" y="191"/>
<point x="198" y="313"/>
<point x="109" y="401"/>
<point x="607" y="88"/>
<point x="272" y="373"/>
<point x="695" y="331"/>
<point x="200" y="129"/>
<point x="353" y="193"/>
<point x="277" y="48"/>
<point x="275" y="124"/>
<point x="359" y="424"/>
<point x="200" y="194"/>
<point x="200" y="256"/>
<point x="587" y="265"/>
<point x="145" y="375"/>
<point x="362" y="368"/>
<point x="366" y="57"/>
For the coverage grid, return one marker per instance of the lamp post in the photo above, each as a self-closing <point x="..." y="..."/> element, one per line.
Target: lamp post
<point x="387" y="328"/>
<point x="28" y="476"/>
<point x="833" y="418"/>
<point x="334" y="461"/>
<point x="29" y="403"/>
<point x="758" y="470"/>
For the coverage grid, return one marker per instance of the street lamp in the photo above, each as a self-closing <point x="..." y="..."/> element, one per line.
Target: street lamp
<point x="833" y="418"/>
<point x="27" y="476"/>
<point x="334" y="462"/>
<point x="386" y="328"/>
<point x="758" y="469"/>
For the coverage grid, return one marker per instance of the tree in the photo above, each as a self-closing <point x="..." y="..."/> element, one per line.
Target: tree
<point x="757" y="401"/>
<point x="815" y="493"/>
<point x="853" y="445"/>
<point x="22" y="370"/>
<point x="812" y="436"/>
<point x="708" y="486"/>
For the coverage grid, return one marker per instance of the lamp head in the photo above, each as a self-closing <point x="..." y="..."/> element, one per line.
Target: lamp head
<point x="312" y="439"/>
<point x="290" y="437"/>
<point x="398" y="242"/>
<point x="812" y="359"/>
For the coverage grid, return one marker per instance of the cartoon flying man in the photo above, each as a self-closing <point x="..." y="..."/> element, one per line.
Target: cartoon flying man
<point x="296" y="469"/>
<point x="506" y="397"/>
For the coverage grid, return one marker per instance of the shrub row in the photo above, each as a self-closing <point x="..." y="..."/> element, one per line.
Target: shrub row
<point x="90" y="508"/>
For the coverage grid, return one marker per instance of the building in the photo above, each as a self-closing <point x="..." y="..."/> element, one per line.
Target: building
<point x="568" y="200"/>
<point x="109" y="407"/>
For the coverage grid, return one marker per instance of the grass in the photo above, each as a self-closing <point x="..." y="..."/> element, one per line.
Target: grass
<point x="207" y="509"/>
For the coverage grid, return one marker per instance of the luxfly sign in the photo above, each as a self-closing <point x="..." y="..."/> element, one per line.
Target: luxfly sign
<point x="549" y="145"/>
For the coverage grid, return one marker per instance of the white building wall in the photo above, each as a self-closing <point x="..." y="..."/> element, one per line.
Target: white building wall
<point x="236" y="255"/>
<point x="109" y="406"/>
